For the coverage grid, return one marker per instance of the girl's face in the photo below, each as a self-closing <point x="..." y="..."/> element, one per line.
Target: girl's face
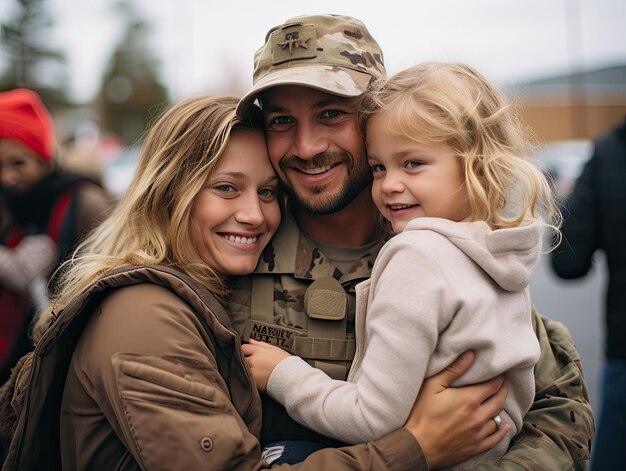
<point x="413" y="180"/>
<point x="236" y="214"/>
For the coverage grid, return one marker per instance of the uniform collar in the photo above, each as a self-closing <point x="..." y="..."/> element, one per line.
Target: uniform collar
<point x="291" y="252"/>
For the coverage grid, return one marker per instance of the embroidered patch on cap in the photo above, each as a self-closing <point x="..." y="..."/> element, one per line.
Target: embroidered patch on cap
<point x="296" y="41"/>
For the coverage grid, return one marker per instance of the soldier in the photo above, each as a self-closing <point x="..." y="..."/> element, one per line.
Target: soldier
<point x="309" y="77"/>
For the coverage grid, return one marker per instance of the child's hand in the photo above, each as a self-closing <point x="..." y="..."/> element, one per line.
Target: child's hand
<point x="262" y="358"/>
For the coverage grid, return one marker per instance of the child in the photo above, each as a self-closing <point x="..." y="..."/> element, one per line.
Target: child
<point x="450" y="177"/>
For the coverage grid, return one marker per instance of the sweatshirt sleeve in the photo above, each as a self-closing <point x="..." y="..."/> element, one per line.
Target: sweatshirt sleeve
<point x="34" y="256"/>
<point x="404" y="317"/>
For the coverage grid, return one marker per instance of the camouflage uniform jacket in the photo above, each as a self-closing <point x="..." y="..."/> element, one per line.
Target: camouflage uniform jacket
<point x="293" y="262"/>
<point x="557" y="431"/>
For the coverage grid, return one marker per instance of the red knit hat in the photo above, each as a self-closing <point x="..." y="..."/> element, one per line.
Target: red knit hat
<point x="24" y="117"/>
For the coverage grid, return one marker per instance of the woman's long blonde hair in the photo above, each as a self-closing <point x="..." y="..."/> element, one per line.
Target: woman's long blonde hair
<point x="151" y="223"/>
<point x="437" y="102"/>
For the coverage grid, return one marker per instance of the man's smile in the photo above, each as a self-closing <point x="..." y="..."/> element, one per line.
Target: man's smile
<point x="318" y="170"/>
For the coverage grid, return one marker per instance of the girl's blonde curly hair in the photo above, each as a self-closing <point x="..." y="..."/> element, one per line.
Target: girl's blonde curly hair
<point x="450" y="103"/>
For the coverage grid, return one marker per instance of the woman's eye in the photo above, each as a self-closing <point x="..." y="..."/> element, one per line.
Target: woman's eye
<point x="225" y="188"/>
<point x="267" y="193"/>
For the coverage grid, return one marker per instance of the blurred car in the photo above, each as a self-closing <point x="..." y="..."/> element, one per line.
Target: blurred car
<point x="564" y="161"/>
<point x="118" y="173"/>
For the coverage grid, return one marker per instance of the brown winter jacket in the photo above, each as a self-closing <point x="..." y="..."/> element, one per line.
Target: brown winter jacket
<point x="156" y="380"/>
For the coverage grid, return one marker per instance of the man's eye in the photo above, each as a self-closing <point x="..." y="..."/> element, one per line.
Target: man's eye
<point x="331" y="114"/>
<point x="281" y="120"/>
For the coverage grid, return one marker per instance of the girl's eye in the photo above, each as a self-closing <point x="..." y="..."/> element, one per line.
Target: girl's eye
<point x="378" y="168"/>
<point x="414" y="164"/>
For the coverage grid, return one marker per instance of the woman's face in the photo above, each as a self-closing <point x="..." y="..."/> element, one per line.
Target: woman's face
<point x="236" y="214"/>
<point x="20" y="167"/>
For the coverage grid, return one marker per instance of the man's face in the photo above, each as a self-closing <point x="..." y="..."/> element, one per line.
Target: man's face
<point x="315" y="147"/>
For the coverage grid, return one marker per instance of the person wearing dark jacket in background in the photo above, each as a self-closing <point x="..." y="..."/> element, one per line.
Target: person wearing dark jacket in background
<point x="597" y="222"/>
<point x="41" y="199"/>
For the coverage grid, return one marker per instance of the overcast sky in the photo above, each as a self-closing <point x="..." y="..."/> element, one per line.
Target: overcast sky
<point x="208" y="45"/>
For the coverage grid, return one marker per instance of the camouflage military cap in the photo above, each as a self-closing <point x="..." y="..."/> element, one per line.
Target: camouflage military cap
<point x="332" y="53"/>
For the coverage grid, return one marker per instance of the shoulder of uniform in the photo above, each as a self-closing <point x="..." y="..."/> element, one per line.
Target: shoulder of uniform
<point x="281" y="253"/>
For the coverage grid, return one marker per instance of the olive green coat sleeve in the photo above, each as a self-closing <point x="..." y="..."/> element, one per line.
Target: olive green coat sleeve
<point x="559" y="427"/>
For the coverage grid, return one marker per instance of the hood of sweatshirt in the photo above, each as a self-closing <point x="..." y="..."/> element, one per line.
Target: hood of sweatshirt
<point x="510" y="256"/>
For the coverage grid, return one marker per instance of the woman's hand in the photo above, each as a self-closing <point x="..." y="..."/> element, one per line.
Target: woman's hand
<point x="453" y="424"/>
<point x="262" y="358"/>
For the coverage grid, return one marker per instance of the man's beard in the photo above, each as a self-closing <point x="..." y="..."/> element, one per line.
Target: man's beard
<point x="358" y="178"/>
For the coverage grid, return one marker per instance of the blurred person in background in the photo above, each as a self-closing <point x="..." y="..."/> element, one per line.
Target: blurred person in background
<point x="597" y="222"/>
<point x="43" y="200"/>
<point x="24" y="269"/>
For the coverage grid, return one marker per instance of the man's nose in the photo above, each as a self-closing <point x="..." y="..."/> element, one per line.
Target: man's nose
<point x="309" y="141"/>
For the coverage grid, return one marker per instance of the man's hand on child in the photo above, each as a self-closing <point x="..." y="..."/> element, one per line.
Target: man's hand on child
<point x="262" y="358"/>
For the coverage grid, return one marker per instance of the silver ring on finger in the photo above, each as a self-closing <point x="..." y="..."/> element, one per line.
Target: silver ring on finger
<point x="499" y="422"/>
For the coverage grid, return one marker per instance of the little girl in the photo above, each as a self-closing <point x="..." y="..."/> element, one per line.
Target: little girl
<point x="468" y="209"/>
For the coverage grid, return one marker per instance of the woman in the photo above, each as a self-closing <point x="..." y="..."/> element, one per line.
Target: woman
<point x="157" y="379"/>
